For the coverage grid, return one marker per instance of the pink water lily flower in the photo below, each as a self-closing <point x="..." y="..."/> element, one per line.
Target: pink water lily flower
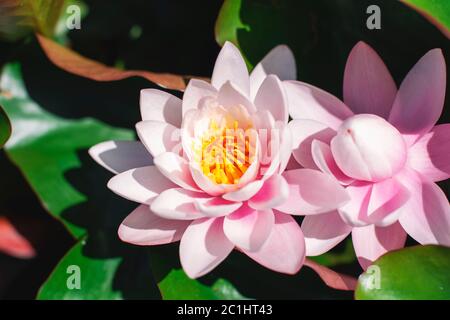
<point x="210" y="171"/>
<point x="383" y="144"/>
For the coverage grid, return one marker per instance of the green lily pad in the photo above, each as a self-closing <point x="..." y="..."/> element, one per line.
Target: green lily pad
<point x="46" y="147"/>
<point x="419" y="272"/>
<point x="79" y="276"/>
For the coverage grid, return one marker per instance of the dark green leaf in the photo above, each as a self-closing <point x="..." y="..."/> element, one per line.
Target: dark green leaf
<point x="419" y="272"/>
<point x="80" y="276"/>
<point x="46" y="147"/>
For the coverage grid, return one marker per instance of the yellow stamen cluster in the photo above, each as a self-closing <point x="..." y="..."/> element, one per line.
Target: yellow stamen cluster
<point x="224" y="153"/>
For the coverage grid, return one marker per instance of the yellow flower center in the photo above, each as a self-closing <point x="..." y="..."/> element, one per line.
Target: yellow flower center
<point x="224" y="153"/>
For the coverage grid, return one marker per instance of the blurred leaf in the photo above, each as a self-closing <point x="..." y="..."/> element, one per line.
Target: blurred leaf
<point x="108" y="278"/>
<point x="5" y="127"/>
<point x="44" y="146"/>
<point x="321" y="34"/>
<point x="72" y="62"/>
<point x="436" y="11"/>
<point x="12" y="242"/>
<point x="419" y="272"/>
<point x="20" y="17"/>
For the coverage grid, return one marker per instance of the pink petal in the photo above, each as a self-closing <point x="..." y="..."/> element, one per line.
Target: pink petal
<point x="430" y="154"/>
<point x="245" y="192"/>
<point x="371" y="242"/>
<point x="331" y="278"/>
<point x="378" y="203"/>
<point x="323" y="232"/>
<point x="280" y="61"/>
<point x="284" y="250"/>
<point x="178" y="204"/>
<point x="203" y="246"/>
<point x="285" y="145"/>
<point x="386" y="201"/>
<point x="426" y="216"/>
<point x="312" y="192"/>
<point x="303" y="134"/>
<point x="273" y="193"/>
<point x="196" y="91"/>
<point x="271" y="97"/>
<point x="120" y="156"/>
<point x="142" y="227"/>
<point x="308" y="102"/>
<point x="13" y="243"/>
<point x="158" y="137"/>
<point x="247" y="228"/>
<point x="420" y="99"/>
<point x="160" y="106"/>
<point x="230" y="66"/>
<point x="216" y="207"/>
<point x="368" y="85"/>
<point x="230" y="96"/>
<point x="176" y="169"/>
<point x="369" y="148"/>
<point x="321" y="153"/>
<point x="354" y="211"/>
<point x="141" y="185"/>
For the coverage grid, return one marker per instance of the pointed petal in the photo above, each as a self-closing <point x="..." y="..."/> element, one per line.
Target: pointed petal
<point x="203" y="246"/>
<point x="120" y="156"/>
<point x="142" y="227"/>
<point x="323" y="232"/>
<point x="245" y="192"/>
<point x="284" y="250"/>
<point x="371" y="242"/>
<point x="176" y="169"/>
<point x="141" y="185"/>
<point x="426" y="216"/>
<point x="216" y="207"/>
<point x="321" y="153"/>
<point x="271" y="97"/>
<point x="309" y="102"/>
<point x="196" y="91"/>
<point x="429" y="155"/>
<point x="378" y="203"/>
<point x="420" y="99"/>
<point x="312" y="192"/>
<point x="178" y="204"/>
<point x="368" y="85"/>
<point x="303" y="134"/>
<point x="230" y="96"/>
<point x="230" y="66"/>
<point x="247" y="228"/>
<point x="280" y="61"/>
<point x="160" y="106"/>
<point x="158" y="137"/>
<point x="273" y="193"/>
